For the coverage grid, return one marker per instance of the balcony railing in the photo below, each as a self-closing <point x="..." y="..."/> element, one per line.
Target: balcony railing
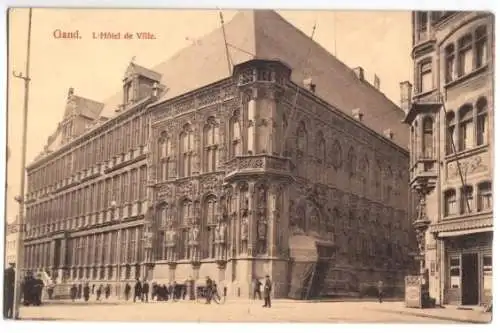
<point x="258" y="163"/>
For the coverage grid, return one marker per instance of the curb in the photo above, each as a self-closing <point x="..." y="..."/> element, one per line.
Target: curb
<point x="425" y="315"/>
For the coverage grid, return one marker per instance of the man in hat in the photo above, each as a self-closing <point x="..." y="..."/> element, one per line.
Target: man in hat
<point x="267" y="292"/>
<point x="9" y="281"/>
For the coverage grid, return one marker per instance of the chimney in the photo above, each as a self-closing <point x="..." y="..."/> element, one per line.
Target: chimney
<point x="309" y="85"/>
<point x="360" y="73"/>
<point x="71" y="92"/>
<point x="389" y="134"/>
<point x="405" y="95"/>
<point x="156" y="89"/>
<point x="376" y="82"/>
<point x="357" y="114"/>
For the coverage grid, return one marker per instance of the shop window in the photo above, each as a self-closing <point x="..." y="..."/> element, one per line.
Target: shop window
<point x="487" y="273"/>
<point x="455" y="272"/>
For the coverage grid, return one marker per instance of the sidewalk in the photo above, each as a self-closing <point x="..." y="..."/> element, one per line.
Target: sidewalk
<point x="474" y="316"/>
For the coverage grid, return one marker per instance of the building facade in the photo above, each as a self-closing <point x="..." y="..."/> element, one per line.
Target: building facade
<point x="10" y="243"/>
<point x="200" y="171"/>
<point x="451" y="163"/>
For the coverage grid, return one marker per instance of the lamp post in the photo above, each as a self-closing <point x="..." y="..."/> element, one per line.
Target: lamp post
<point x="20" y="199"/>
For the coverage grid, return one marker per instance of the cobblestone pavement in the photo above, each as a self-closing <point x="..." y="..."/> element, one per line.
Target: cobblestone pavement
<point x="232" y="311"/>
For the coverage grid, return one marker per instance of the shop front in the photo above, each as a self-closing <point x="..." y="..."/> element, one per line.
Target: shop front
<point x="468" y="262"/>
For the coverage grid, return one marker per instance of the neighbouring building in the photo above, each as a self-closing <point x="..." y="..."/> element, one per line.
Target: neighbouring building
<point x="451" y="162"/>
<point x="272" y="165"/>
<point x="10" y="242"/>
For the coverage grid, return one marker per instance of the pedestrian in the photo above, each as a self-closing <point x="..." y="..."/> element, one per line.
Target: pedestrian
<point x="170" y="291"/>
<point x="107" y="291"/>
<point x="38" y="289"/>
<point x="256" y="288"/>
<point x="145" y="291"/>
<point x="380" y="287"/>
<point x="208" y="290"/>
<point x="93" y="289"/>
<point x="86" y="292"/>
<point x="127" y="291"/>
<point x="73" y="291"/>
<point x="137" y="290"/>
<point x="9" y="282"/>
<point x="267" y="292"/>
<point x="99" y="292"/>
<point x="80" y="289"/>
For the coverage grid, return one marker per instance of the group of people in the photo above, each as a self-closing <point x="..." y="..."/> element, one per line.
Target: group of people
<point x="159" y="292"/>
<point x="257" y="286"/>
<point x="76" y="292"/>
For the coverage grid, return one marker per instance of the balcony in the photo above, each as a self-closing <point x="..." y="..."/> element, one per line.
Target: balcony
<point x="423" y="174"/>
<point x="258" y="164"/>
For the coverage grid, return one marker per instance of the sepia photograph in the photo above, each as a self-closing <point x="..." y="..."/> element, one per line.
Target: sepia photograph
<point x="251" y="165"/>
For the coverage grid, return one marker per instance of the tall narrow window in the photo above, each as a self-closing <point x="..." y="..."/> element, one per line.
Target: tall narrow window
<point x="186" y="151"/>
<point x="450" y="132"/>
<point x="422" y="18"/>
<point x="484" y="200"/>
<point x="465" y="55"/>
<point x="236" y="144"/>
<point x="450" y="200"/>
<point x="351" y="162"/>
<point x="427" y="138"/>
<point x="466" y="138"/>
<point x="482" y="122"/>
<point x="211" y="138"/>
<point x="481" y="46"/>
<point x="466" y="200"/>
<point x="209" y="227"/>
<point x="426" y="76"/>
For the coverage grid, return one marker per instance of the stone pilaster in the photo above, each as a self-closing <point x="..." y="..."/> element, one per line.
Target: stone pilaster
<point x="252" y="219"/>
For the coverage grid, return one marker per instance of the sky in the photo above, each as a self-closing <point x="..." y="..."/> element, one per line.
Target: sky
<point x="380" y="42"/>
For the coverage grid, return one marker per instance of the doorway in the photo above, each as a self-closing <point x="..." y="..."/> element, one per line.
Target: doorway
<point x="470" y="279"/>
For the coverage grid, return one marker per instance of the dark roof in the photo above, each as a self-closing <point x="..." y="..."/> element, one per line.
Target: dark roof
<point x="88" y="108"/>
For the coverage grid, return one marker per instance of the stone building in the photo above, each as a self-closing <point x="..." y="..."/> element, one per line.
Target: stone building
<point x="11" y="234"/>
<point x="451" y="164"/>
<point x="253" y="151"/>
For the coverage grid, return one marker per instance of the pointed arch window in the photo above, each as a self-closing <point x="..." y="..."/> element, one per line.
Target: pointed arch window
<point x="467" y="199"/>
<point x="321" y="147"/>
<point x="186" y="151"/>
<point x="185" y="220"/>
<point x="481" y="46"/>
<point x="211" y="140"/>
<point x="351" y="162"/>
<point x="449" y="63"/>
<point x="301" y="138"/>
<point x="235" y="134"/>
<point x="210" y="221"/>
<point x="465" y="55"/>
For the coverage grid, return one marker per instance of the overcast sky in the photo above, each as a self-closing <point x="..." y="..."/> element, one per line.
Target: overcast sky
<point x="380" y="42"/>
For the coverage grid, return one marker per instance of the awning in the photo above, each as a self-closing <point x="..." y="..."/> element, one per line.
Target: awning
<point x="444" y="234"/>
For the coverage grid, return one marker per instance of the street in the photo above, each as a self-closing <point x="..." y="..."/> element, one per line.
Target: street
<point x="232" y="311"/>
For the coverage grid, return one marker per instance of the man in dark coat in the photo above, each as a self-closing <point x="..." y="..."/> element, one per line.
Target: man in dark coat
<point x="80" y="290"/>
<point x="127" y="291"/>
<point x="137" y="290"/>
<point x="256" y="289"/>
<point x="145" y="291"/>
<point x="107" y="291"/>
<point x="9" y="281"/>
<point x="38" y="289"/>
<point x="86" y="292"/>
<point x="267" y="292"/>
<point x="73" y="292"/>
<point x="209" y="289"/>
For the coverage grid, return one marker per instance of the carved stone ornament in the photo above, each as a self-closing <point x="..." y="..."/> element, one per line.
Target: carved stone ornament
<point x="194" y="235"/>
<point x="244" y="228"/>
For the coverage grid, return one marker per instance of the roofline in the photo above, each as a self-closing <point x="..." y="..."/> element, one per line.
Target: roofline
<point x="345" y="116"/>
<point x="89" y="132"/>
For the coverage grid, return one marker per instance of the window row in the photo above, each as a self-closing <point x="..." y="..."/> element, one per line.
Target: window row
<point x="129" y="186"/>
<point x="468" y="202"/>
<point x="119" y="140"/>
<point x="469" y="126"/>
